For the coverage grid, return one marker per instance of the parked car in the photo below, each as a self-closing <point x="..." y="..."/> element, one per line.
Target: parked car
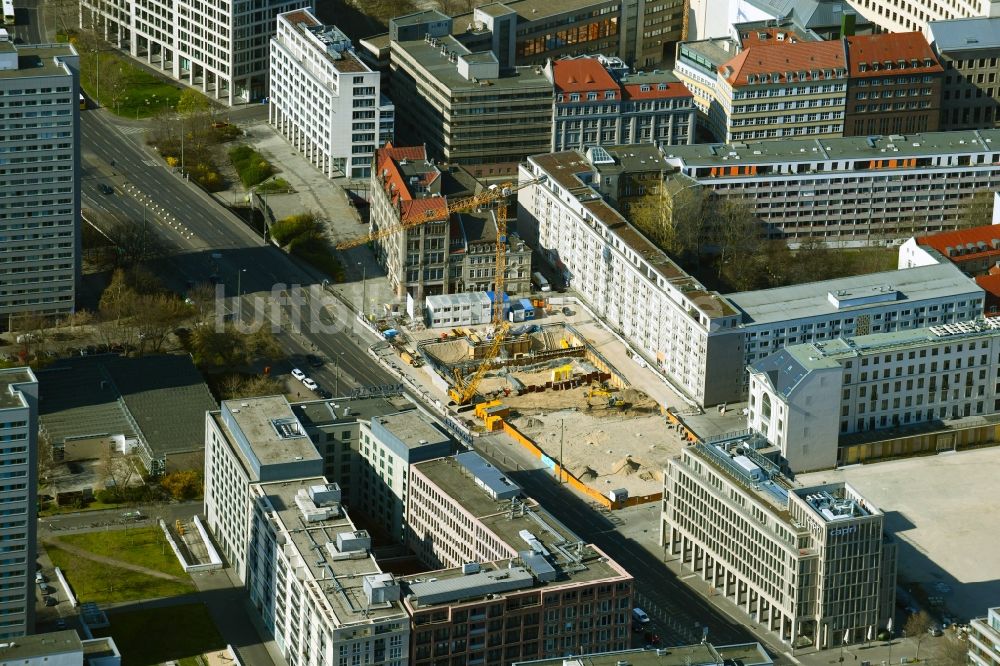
<point x="298" y="374"/>
<point x="640" y="616"/>
<point x="935" y="630"/>
<point x="310" y="384"/>
<point x="60" y="623"/>
<point x="51" y="601"/>
<point x="323" y="393"/>
<point x="314" y="361"/>
<point x="46" y="588"/>
<point x="40" y="577"/>
<point x="106" y="189"/>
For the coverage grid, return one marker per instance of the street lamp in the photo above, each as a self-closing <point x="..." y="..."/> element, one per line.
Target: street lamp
<point x="364" y="290"/>
<point x="239" y="292"/>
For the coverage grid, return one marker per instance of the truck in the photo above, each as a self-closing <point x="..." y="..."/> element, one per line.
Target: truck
<point x="540" y="282"/>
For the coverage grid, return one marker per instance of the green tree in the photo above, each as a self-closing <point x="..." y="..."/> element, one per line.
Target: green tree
<point x="183" y="485"/>
<point x="977" y="210"/>
<point x="191" y="101"/>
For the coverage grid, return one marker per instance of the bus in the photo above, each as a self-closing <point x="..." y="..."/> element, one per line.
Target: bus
<point x="8" y="12"/>
<point x="83" y="102"/>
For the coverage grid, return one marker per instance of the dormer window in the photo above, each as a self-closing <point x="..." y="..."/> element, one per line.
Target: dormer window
<point x="662" y="86"/>
<point x="862" y="67"/>
<point x="609" y="94"/>
<point x="875" y="66"/>
<point x="575" y="97"/>
<point x="591" y="97"/>
<point x="928" y="62"/>
<point x="560" y="97"/>
<point x="644" y="87"/>
<point x="888" y="64"/>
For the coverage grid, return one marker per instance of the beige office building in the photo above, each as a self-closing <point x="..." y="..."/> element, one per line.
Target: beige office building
<point x="969" y="50"/>
<point x="813" y="566"/>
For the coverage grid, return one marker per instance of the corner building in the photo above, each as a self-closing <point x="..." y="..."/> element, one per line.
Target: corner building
<point x="511" y="582"/>
<point x="809" y="564"/>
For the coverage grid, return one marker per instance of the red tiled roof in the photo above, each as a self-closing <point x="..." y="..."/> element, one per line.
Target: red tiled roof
<point x="635" y="91"/>
<point x="991" y="285"/>
<point x="428" y="208"/>
<point x="890" y="47"/>
<point x="963" y="238"/>
<point x="783" y="57"/>
<point x="581" y="75"/>
<point x="403" y="152"/>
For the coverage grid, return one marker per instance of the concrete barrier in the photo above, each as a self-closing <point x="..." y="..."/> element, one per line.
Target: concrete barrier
<point x="65" y="585"/>
<point x="215" y="562"/>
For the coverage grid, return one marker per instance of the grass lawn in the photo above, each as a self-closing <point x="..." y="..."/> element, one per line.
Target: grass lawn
<point x="152" y="636"/>
<point x="143" y="546"/>
<point x="141" y="94"/>
<point x="251" y="165"/>
<point x="50" y="508"/>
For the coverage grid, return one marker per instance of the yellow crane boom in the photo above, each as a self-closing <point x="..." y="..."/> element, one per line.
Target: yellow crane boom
<point x="464" y="391"/>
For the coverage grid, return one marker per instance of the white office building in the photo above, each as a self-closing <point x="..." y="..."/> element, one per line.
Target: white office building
<point x="324" y="99"/>
<point x="804" y="397"/>
<point x="813" y="565"/>
<point x="39" y="180"/>
<point x="697" y="337"/>
<point x="18" y="531"/>
<point x="221" y="48"/>
<point x="907" y="15"/>
<point x="984" y="639"/>
<point x="850" y="191"/>
<point x="284" y="529"/>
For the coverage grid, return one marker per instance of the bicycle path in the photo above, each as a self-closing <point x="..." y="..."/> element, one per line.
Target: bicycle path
<point x="110" y="561"/>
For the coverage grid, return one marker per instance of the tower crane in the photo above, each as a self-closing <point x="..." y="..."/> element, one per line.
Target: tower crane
<point x="464" y="390"/>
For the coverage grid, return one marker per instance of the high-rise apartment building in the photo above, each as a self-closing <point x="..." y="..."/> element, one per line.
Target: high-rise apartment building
<point x="511" y="583"/>
<point x="984" y="639"/>
<point x="907" y="15"/>
<point x="811" y="565"/>
<point x="220" y="48"/>
<point x="806" y="397"/>
<point x="827" y="19"/>
<point x="18" y="532"/>
<point x="968" y="49"/>
<point x="324" y="99"/>
<point x="285" y="531"/>
<point x="39" y="180"/>
<point x="695" y="336"/>
<point x="598" y="101"/>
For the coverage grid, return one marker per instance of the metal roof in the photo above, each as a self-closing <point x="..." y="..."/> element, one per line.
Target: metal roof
<point x="967" y="34"/>
<point x="471" y="586"/>
<point x="487" y="476"/>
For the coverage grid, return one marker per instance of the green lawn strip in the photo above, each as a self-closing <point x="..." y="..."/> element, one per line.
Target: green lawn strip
<point x="144" y="546"/>
<point x="143" y="93"/>
<point x="102" y="583"/>
<point x="53" y="510"/>
<point x="152" y="636"/>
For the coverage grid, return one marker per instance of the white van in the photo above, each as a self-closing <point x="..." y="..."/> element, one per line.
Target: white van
<point x="640" y="616"/>
<point x="540" y="282"/>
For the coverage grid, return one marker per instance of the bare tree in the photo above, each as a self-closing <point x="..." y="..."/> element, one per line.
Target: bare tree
<point x="156" y="317"/>
<point x="674" y="219"/>
<point x="738" y="235"/>
<point x="917" y="626"/>
<point x="953" y="651"/>
<point x="977" y="211"/>
<point x="238" y="386"/>
<point x="46" y="461"/>
<point x="136" y="242"/>
<point x="116" y="469"/>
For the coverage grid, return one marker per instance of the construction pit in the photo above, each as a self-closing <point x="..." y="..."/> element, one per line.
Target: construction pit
<point x="563" y="394"/>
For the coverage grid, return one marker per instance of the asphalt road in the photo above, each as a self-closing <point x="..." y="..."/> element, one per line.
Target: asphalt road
<point x="28" y="17"/>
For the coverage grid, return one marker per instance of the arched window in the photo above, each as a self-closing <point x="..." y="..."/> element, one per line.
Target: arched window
<point x="765" y="407"/>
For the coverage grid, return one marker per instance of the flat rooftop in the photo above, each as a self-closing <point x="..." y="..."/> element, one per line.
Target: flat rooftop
<point x="341" y="580"/>
<point x="325" y="37"/>
<point x="817" y="150"/>
<point x="812" y="299"/>
<point x="411" y="428"/>
<point x="322" y="413"/>
<point x="41" y="646"/>
<point x="38" y="60"/>
<point x="934" y="507"/>
<point x="573" y="560"/>
<point x="272" y="429"/>
<point x="445" y="72"/>
<point x="9" y="377"/>
<point x="704" y="654"/>
<point x="965" y="34"/>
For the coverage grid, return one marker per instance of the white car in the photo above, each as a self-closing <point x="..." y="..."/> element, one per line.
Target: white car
<point x="310" y="384"/>
<point x="298" y="374"/>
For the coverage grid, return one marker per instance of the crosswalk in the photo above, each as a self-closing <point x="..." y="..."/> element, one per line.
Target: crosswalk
<point x="129" y="130"/>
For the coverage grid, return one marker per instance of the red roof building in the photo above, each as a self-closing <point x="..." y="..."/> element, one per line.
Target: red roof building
<point x="597" y="101"/>
<point x="894" y="85"/>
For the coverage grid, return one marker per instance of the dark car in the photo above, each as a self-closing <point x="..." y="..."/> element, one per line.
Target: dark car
<point x="323" y="393"/>
<point x="106" y="189"/>
<point x="51" y="601"/>
<point x="314" y="361"/>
